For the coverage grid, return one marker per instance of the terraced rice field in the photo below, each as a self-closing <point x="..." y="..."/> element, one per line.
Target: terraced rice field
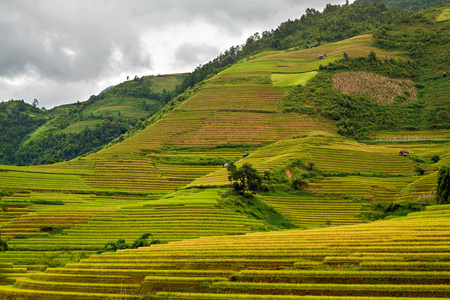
<point x="328" y="154"/>
<point x="235" y="97"/>
<point x="405" y="258"/>
<point x="130" y="173"/>
<point x="316" y="211"/>
<point x="43" y="181"/>
<point x="284" y="80"/>
<point x="368" y="188"/>
<point x="445" y="15"/>
<point x="183" y="215"/>
<point x="248" y="128"/>
<point x="411" y="136"/>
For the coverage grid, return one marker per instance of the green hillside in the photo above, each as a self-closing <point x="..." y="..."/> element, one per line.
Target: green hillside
<point x="18" y="119"/>
<point x="324" y="133"/>
<point x="76" y="129"/>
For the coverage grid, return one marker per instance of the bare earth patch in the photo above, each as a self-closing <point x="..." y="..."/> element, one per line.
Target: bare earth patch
<point x="378" y="88"/>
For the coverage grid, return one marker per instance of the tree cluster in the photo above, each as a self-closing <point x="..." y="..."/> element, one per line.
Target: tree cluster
<point x="142" y="241"/>
<point x="247" y="181"/>
<point x="244" y="180"/>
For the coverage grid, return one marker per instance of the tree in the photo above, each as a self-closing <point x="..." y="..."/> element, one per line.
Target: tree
<point x="345" y="56"/>
<point x="142" y="241"/>
<point x="35" y="103"/>
<point x="443" y="188"/>
<point x="246" y="180"/>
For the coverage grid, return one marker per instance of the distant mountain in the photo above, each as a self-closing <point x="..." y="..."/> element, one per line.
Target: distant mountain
<point x="107" y="89"/>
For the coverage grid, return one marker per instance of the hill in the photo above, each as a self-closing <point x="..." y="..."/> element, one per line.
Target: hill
<point x="329" y="158"/>
<point x="75" y="129"/>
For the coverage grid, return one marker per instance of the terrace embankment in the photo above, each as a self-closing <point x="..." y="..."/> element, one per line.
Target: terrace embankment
<point x="404" y="257"/>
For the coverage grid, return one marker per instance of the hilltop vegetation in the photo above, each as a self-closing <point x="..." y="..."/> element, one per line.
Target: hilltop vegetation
<point x="413" y="5"/>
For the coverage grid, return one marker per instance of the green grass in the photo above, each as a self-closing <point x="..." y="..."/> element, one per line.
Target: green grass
<point x="444" y="16"/>
<point x="284" y="80"/>
<point x="81" y="125"/>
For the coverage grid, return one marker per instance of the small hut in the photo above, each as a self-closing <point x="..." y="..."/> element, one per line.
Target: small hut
<point x="322" y="56"/>
<point x="404" y="152"/>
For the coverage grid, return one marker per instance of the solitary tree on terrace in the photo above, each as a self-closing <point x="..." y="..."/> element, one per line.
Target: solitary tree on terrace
<point x="443" y="188"/>
<point x="245" y="180"/>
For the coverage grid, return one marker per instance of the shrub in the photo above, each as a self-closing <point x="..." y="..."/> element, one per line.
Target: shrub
<point x="419" y="170"/>
<point x="299" y="184"/>
<point x="435" y="158"/>
<point x="417" y="159"/>
<point x="52" y="229"/>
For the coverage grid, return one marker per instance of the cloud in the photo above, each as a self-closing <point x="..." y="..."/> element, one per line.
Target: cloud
<point x="187" y="53"/>
<point x="86" y="45"/>
<point x="64" y="42"/>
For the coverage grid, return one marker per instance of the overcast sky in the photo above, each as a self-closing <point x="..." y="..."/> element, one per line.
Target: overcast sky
<point x="63" y="51"/>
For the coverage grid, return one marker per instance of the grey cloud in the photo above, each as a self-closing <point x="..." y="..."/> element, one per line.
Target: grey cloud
<point x="188" y="53"/>
<point x="65" y="42"/>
